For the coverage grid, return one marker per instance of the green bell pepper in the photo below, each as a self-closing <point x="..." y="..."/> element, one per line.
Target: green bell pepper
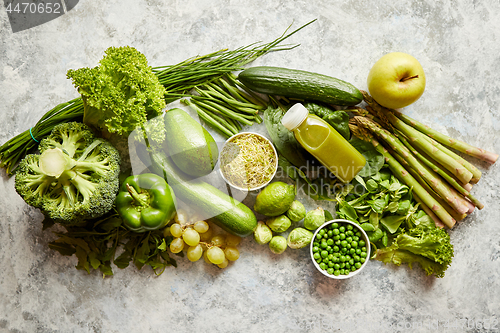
<point x="145" y="202"/>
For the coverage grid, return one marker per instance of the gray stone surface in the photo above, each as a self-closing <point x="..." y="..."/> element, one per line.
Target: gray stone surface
<point x="458" y="44"/>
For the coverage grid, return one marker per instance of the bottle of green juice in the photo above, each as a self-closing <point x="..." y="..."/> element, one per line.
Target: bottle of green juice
<point x="323" y="142"/>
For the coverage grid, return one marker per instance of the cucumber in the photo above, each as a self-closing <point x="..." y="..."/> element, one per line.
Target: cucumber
<point x="228" y="213"/>
<point x="300" y="84"/>
<point x="191" y="147"/>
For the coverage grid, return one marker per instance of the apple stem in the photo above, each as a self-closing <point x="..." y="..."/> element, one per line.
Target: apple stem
<point x="408" y="78"/>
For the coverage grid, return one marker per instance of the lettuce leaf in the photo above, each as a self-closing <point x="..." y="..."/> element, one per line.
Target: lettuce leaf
<point x="430" y="247"/>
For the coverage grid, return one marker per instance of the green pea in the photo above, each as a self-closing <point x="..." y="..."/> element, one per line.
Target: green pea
<point x="357" y="258"/>
<point x="353" y="268"/>
<point x="351" y="262"/>
<point x="319" y="236"/>
<point x="343" y="243"/>
<point x="338" y="242"/>
<point x="318" y="260"/>
<point x="349" y="233"/>
<point x="336" y="272"/>
<point x="355" y="238"/>
<point x="362" y="260"/>
<point x="322" y="265"/>
<point x="354" y="243"/>
<point x="331" y="264"/>
<point x="349" y="239"/>
<point x="336" y="266"/>
<point x="335" y="225"/>
<point x="352" y="251"/>
<point x="330" y="271"/>
<point x="342" y="271"/>
<point x="357" y="265"/>
<point x="342" y="236"/>
<point x="342" y="258"/>
<point x="336" y="248"/>
<point x="363" y="255"/>
<point x="349" y="227"/>
<point x="328" y="248"/>
<point x="348" y="246"/>
<point x="336" y="231"/>
<point x="324" y="254"/>
<point x="362" y="243"/>
<point x="321" y="232"/>
<point x="324" y="245"/>
<point x="331" y="256"/>
<point x="342" y="264"/>
<point x="358" y="251"/>
<point x="316" y="255"/>
<point x="363" y="248"/>
<point x="336" y="238"/>
<point x="342" y="229"/>
<point x="330" y="233"/>
<point x="344" y="250"/>
<point x="347" y="265"/>
<point x="329" y="241"/>
<point x="315" y="249"/>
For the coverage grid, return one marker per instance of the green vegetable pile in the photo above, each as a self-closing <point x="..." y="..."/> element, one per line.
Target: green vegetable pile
<point x="411" y="187"/>
<point x="74" y="179"/>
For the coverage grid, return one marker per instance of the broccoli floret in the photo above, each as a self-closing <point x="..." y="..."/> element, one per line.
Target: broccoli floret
<point x="74" y="178"/>
<point x="121" y="93"/>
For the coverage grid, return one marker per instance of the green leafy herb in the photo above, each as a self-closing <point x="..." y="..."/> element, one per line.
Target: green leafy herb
<point x="96" y="246"/>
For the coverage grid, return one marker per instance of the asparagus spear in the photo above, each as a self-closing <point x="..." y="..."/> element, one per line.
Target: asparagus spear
<point x="421" y="141"/>
<point x="427" y="174"/>
<point x="443" y="174"/>
<point x="450" y="142"/>
<point x="405" y="177"/>
<point x="429" y="190"/>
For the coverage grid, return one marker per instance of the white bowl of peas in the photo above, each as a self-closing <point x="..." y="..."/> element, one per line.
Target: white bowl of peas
<point x="340" y="249"/>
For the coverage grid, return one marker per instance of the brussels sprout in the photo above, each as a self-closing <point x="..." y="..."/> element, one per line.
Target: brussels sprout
<point x="262" y="233"/>
<point x="299" y="238"/>
<point x="296" y="212"/>
<point x="277" y="244"/>
<point x="314" y="218"/>
<point x="279" y="224"/>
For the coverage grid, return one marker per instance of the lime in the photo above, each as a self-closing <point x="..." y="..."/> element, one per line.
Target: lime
<point x="275" y="199"/>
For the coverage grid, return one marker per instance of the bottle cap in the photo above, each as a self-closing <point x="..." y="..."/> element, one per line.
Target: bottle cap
<point x="294" y="116"/>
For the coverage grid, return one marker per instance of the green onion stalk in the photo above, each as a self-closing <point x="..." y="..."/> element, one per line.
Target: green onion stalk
<point x="179" y="80"/>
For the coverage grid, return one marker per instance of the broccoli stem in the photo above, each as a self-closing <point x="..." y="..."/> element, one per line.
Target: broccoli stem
<point x="53" y="162"/>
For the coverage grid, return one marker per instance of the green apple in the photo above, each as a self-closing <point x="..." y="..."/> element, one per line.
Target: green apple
<point x="396" y="80"/>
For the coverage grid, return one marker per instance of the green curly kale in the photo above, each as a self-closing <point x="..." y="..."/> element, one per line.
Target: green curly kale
<point x="121" y="93"/>
<point x="74" y="178"/>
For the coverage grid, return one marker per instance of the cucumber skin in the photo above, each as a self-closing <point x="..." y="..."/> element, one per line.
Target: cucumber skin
<point x="300" y="84"/>
<point x="229" y="214"/>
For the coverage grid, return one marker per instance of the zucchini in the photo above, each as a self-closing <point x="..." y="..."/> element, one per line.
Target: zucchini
<point x="191" y="146"/>
<point x="226" y="212"/>
<point x="300" y="84"/>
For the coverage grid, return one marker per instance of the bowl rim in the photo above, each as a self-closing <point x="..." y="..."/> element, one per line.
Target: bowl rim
<point x="246" y="188"/>
<point x="351" y="274"/>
